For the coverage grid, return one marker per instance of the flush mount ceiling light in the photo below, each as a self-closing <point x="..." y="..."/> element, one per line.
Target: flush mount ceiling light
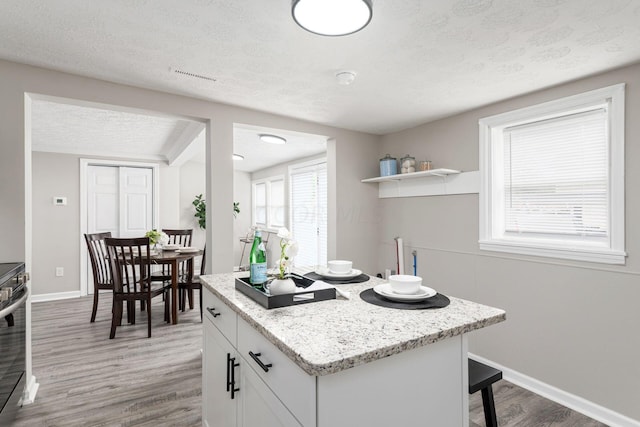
<point x="238" y="157"/>
<point x="272" y="139"/>
<point x="332" y="17"/>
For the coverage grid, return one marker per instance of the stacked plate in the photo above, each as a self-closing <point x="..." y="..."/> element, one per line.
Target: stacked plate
<point x="188" y="250"/>
<point x="325" y="272"/>
<point x="385" y="290"/>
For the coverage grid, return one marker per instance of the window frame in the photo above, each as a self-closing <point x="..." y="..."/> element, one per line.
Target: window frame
<point x="270" y="224"/>
<point x="491" y="228"/>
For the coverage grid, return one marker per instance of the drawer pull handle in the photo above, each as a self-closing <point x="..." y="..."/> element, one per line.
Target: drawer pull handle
<point x="213" y="312"/>
<point x="256" y="357"/>
<point x="228" y="371"/>
<point x="233" y="365"/>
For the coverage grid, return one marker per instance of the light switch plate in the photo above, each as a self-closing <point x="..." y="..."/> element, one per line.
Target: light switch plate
<point x="59" y="201"/>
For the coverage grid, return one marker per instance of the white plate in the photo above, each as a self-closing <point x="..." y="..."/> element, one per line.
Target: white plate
<point x="187" y="250"/>
<point x="384" y="289"/>
<point x="324" y="272"/>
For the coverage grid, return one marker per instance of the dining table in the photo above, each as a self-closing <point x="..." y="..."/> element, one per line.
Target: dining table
<point x="173" y="258"/>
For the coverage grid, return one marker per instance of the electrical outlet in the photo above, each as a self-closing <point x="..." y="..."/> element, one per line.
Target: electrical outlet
<point x="59" y="271"/>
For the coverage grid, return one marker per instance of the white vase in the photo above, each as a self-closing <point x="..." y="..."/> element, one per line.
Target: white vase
<point x="282" y="286"/>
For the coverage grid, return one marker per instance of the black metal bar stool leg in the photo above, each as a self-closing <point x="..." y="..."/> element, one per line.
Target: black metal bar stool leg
<point x="489" y="407"/>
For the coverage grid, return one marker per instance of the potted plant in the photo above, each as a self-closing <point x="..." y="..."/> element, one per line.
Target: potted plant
<point x="201" y="210"/>
<point x="282" y="284"/>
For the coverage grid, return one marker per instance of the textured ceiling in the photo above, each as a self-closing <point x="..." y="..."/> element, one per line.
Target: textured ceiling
<point x="417" y="61"/>
<point x="93" y="131"/>
<point x="65" y="128"/>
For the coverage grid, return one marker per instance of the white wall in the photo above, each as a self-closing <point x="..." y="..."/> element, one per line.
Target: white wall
<point x="192" y="179"/>
<point x="573" y="325"/>
<point x="242" y="222"/>
<point x="56" y="229"/>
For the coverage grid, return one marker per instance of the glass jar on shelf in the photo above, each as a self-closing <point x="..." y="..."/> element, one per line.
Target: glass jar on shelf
<point x="424" y="165"/>
<point x="407" y="164"/>
<point x="388" y="166"/>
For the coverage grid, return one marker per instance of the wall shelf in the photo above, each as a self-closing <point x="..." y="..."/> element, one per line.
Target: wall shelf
<point x="435" y="182"/>
<point x="413" y="175"/>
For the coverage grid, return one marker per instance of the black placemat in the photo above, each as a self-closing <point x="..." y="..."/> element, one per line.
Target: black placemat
<point x="437" y="301"/>
<point x="358" y="279"/>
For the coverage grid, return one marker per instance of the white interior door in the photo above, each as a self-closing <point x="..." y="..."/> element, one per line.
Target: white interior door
<point x="103" y="194"/>
<point x="119" y="200"/>
<point x="136" y="201"/>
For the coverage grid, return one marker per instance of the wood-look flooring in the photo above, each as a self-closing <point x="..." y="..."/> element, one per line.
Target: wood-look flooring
<point x="86" y="379"/>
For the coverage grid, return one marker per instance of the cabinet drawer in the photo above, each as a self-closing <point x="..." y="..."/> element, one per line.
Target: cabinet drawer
<point x="220" y="315"/>
<point x="295" y="388"/>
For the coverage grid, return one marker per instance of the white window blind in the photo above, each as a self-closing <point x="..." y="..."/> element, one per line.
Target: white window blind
<point x="308" y="191"/>
<point x="276" y="205"/>
<point x="556" y="177"/>
<point x="260" y="203"/>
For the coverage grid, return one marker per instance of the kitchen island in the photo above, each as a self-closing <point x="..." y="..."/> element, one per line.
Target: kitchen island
<point x="334" y="363"/>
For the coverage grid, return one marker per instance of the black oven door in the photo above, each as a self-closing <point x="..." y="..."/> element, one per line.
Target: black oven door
<point x="12" y="357"/>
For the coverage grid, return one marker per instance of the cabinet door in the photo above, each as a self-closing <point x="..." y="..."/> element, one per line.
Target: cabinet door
<point x="258" y="406"/>
<point x="218" y="410"/>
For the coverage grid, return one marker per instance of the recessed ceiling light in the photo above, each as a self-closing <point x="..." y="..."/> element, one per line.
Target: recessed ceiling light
<point x="332" y="17"/>
<point x="272" y="139"/>
<point x="345" y="78"/>
<point x="238" y="157"/>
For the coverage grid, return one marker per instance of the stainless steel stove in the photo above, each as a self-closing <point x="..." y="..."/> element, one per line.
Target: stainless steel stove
<point x="13" y="297"/>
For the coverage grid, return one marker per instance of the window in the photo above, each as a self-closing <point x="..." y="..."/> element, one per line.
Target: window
<point x="553" y="179"/>
<point x="268" y="203"/>
<point x="308" y="195"/>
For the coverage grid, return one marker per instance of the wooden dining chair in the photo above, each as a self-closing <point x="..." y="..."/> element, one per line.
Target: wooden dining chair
<point x="99" y="267"/>
<point x="189" y="284"/>
<point x="130" y="266"/>
<point x="179" y="237"/>
<point x="176" y="237"/>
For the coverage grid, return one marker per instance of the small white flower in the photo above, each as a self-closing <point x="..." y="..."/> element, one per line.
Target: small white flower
<point x="164" y="238"/>
<point x="284" y="263"/>
<point x="291" y="249"/>
<point x="283" y="233"/>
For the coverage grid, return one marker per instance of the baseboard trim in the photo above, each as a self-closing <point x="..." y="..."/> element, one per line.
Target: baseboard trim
<point x="29" y="395"/>
<point x="576" y="403"/>
<point x="55" y="296"/>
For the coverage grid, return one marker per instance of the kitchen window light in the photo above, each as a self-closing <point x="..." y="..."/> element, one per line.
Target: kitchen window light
<point x="552" y="179"/>
<point x="268" y="203"/>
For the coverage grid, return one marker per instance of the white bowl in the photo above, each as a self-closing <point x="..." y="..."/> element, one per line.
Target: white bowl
<point x="338" y="266"/>
<point x="171" y="247"/>
<point x="405" y="284"/>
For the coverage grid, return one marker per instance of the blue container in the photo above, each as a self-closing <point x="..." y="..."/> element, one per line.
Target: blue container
<point x="388" y="166"/>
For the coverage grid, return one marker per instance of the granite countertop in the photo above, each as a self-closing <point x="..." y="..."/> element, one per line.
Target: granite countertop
<point x="329" y="336"/>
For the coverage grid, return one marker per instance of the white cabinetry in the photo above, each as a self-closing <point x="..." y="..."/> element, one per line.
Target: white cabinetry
<point x="239" y="389"/>
<point x="217" y="410"/>
<point x="424" y="386"/>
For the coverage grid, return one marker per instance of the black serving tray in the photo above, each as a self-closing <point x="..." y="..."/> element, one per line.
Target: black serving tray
<point x="284" y="300"/>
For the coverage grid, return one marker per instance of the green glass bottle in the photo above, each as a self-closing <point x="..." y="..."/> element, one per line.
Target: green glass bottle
<point x="257" y="261"/>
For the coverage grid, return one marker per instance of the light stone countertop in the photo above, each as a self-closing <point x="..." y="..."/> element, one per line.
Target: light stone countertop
<point x="329" y="336"/>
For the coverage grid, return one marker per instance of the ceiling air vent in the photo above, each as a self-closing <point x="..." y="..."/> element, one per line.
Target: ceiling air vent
<point x="194" y="75"/>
